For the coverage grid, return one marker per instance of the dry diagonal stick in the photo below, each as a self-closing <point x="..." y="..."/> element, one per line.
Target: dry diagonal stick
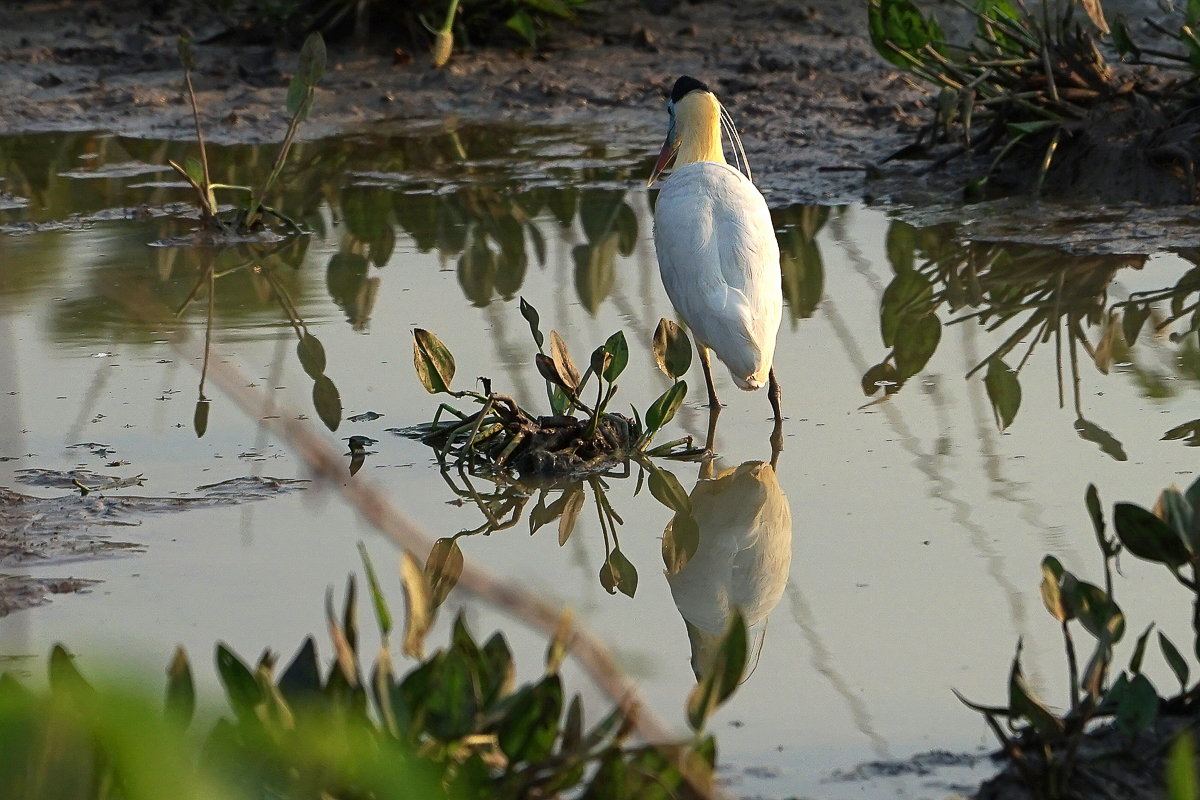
<point x="325" y="462"/>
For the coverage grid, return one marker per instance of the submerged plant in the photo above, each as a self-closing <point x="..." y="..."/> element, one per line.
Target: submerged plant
<point x="300" y="96"/>
<point x="503" y="437"/>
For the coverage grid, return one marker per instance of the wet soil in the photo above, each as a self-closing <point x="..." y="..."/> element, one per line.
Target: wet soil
<point x="52" y="531"/>
<point x="813" y="100"/>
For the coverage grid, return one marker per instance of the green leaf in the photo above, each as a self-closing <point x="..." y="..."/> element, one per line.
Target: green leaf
<point x="443" y="568"/>
<point x="559" y="402"/>
<point x="328" y="402"/>
<point x="312" y="355"/>
<point x="434" y="363"/>
<point x="1023" y="703"/>
<point x="301" y="681"/>
<point x="1099" y="614"/>
<point x="1058" y="589"/>
<point x="618" y="574"/>
<point x="916" y="340"/>
<point x="1175" y="661"/>
<point x="195" y="171"/>
<point x="667" y="490"/>
<point x="663" y="409"/>
<point x="1092" y="500"/>
<point x="383" y="614"/>
<point x="311" y="65"/>
<point x="1139" y="651"/>
<point x="909" y="295"/>
<point x="1135" y="316"/>
<point x="883" y="374"/>
<point x="680" y="542"/>
<point x="529" y="727"/>
<point x="522" y="23"/>
<point x="898" y="25"/>
<point x="572" y="733"/>
<point x="567" y="372"/>
<point x="1004" y="392"/>
<point x="1137" y="707"/>
<point x="573" y="500"/>
<point x="619" y="350"/>
<point x="901" y="246"/>
<point x="241" y="687"/>
<point x="181" y="692"/>
<point x="186" y="57"/>
<point x="531" y="316"/>
<point x="65" y="678"/>
<point x="672" y="349"/>
<point x="200" y="417"/>
<point x="1148" y="537"/>
<point x="722" y="676"/>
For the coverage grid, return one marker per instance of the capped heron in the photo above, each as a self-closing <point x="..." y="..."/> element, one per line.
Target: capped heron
<point x="717" y="253"/>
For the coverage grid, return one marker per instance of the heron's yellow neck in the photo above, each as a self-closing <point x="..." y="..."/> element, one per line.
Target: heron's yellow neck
<point x="698" y="126"/>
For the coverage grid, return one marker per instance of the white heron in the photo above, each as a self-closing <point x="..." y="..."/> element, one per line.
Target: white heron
<point x="716" y="246"/>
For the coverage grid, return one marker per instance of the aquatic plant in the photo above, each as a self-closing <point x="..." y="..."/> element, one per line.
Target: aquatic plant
<point x="455" y="725"/>
<point x="502" y="436"/>
<point x="1057" y="753"/>
<point x="1036" y="90"/>
<point x="300" y="96"/>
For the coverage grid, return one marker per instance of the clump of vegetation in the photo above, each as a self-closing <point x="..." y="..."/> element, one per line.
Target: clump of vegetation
<point x="503" y="437"/>
<point x="1037" y="91"/>
<point x="473" y="22"/>
<point x="1065" y="754"/>
<point x="195" y="171"/>
<point x="454" y="726"/>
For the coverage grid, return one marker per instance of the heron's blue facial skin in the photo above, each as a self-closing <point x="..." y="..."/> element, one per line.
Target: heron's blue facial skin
<point x="671" y="133"/>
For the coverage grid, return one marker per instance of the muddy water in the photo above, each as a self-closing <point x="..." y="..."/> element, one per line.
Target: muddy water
<point x="891" y="555"/>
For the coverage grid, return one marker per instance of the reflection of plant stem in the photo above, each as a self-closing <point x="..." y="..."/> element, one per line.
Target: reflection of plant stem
<point x="208" y="326"/>
<point x="1058" y="338"/>
<point x="1072" y="666"/>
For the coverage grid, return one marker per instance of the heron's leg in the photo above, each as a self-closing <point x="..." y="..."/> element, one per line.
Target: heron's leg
<point x="706" y="466"/>
<point x="776" y="442"/>
<point x="713" y="402"/>
<point x="775" y="394"/>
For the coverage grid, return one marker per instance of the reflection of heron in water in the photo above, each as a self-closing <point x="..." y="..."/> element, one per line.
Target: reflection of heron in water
<point x="733" y="551"/>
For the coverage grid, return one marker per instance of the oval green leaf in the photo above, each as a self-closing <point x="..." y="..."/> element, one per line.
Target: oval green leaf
<point x="434" y="363"/>
<point x="672" y="349"/>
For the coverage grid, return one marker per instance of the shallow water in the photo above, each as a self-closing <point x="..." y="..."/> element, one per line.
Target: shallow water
<point x="916" y="526"/>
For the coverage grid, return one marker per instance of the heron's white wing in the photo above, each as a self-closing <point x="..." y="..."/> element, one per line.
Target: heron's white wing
<point x="720" y="264"/>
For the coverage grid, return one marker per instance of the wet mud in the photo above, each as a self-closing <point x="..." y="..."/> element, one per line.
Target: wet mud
<point x="52" y="531"/>
<point x="812" y="99"/>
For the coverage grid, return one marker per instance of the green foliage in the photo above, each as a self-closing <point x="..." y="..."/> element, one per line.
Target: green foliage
<point x="453" y="726"/>
<point x="503" y="437"/>
<point x="1046" y="745"/>
<point x="1024" y="84"/>
<point x="309" y="71"/>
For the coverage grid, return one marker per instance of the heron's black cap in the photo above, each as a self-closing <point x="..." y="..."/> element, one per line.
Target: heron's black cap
<point x="684" y="85"/>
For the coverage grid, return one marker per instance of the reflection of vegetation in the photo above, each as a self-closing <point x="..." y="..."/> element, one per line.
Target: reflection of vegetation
<point x="326" y="399"/>
<point x="453" y="726"/>
<point x="1038" y="293"/>
<point x="800" y="258"/>
<point x="504" y="438"/>
<point x="1065" y="755"/>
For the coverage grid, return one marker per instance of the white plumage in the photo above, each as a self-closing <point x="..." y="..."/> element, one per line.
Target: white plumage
<point x="719" y="262"/>
<point x="716" y="246"/>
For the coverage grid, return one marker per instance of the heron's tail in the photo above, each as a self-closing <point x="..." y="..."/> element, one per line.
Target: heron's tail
<point x="754" y="382"/>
